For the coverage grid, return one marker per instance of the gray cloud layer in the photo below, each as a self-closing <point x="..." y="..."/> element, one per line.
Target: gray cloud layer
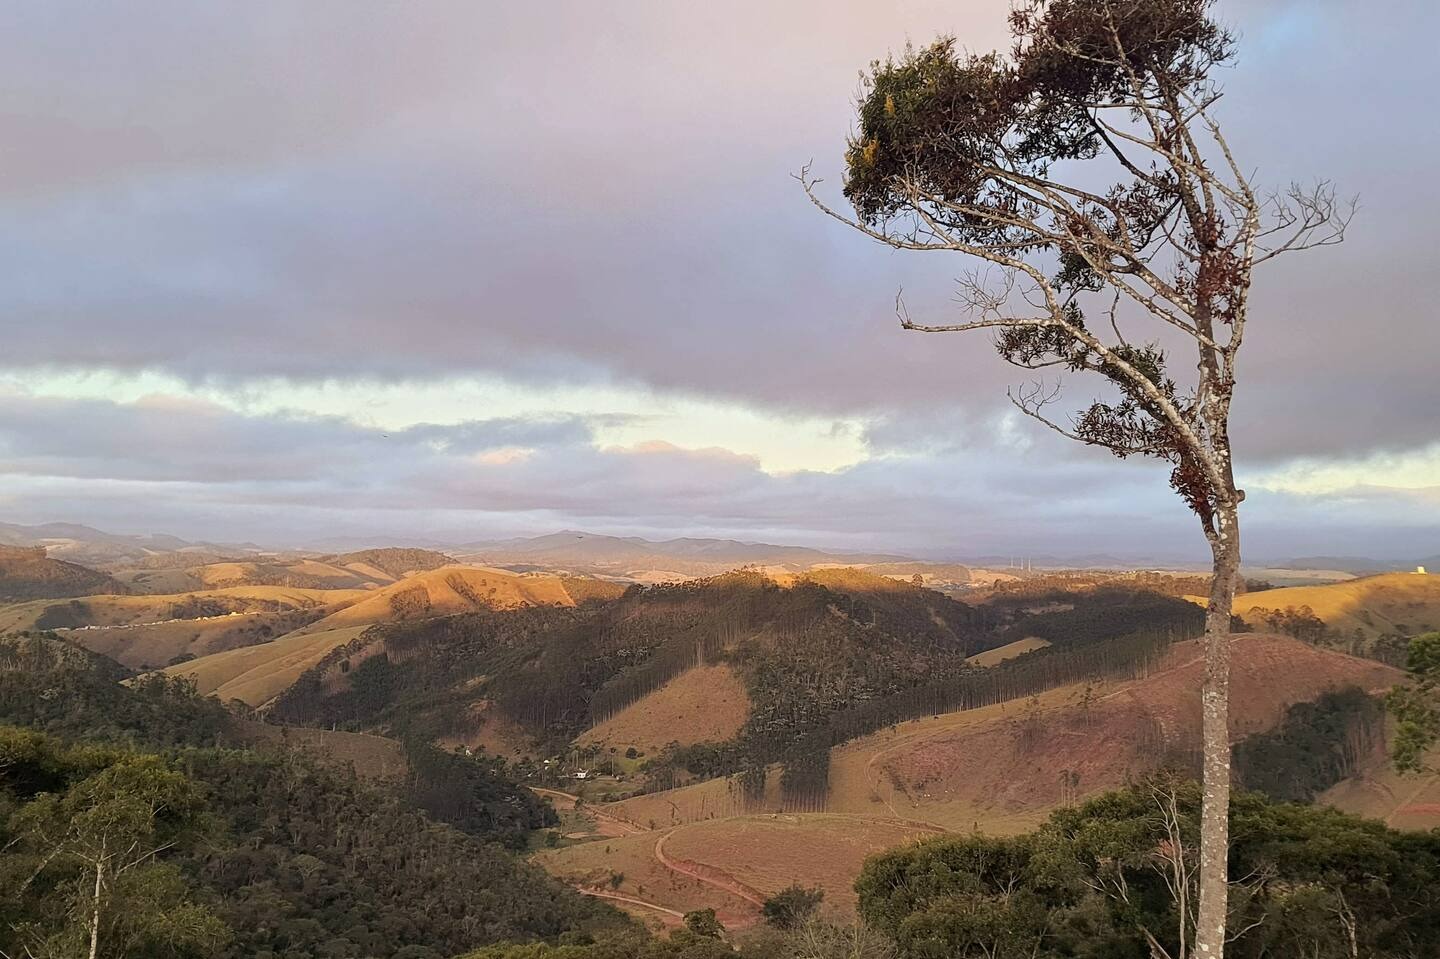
<point x="601" y="192"/>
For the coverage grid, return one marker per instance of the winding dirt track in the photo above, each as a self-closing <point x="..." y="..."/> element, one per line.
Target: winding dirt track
<point x="617" y="897"/>
<point x="709" y="875"/>
<point x="620" y="825"/>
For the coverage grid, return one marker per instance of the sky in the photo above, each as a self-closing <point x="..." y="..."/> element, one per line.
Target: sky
<point x="284" y="272"/>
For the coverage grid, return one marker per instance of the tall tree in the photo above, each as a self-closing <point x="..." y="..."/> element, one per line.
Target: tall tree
<point x="1416" y="706"/>
<point x="1087" y="176"/>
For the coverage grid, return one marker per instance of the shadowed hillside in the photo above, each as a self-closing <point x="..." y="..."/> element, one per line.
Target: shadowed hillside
<point x="26" y="573"/>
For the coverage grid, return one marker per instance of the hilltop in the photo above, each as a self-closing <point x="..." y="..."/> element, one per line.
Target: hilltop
<point x="257" y="673"/>
<point x="1373" y="615"/>
<point x="26" y="573"/>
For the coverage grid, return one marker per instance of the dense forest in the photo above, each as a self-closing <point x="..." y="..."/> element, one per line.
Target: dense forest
<point x="247" y="853"/>
<point x="1314" y="747"/>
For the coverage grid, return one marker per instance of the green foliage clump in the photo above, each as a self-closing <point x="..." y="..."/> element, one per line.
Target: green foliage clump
<point x="702" y="922"/>
<point x="1101" y="880"/>
<point x="792" y="906"/>
<point x="89" y="837"/>
<point x="1416" y="707"/>
<point x="53" y="686"/>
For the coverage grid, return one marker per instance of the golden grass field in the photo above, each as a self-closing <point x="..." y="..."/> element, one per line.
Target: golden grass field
<point x="993" y="657"/>
<point x="109" y="610"/>
<point x="257" y="674"/>
<point x="143" y="647"/>
<point x="450" y="589"/>
<point x="704" y="704"/>
<point x="1404" y="603"/>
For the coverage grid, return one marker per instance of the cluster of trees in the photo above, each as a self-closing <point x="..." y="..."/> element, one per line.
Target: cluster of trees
<point x="1314" y="747"/>
<point x="1099" y="614"/>
<point x="1116" y="877"/>
<point x="54" y="686"/>
<point x="1297" y="621"/>
<point x="1416" y="706"/>
<point x="473" y="794"/>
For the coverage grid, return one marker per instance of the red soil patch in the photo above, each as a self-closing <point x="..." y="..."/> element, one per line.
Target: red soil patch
<point x="1036" y="757"/>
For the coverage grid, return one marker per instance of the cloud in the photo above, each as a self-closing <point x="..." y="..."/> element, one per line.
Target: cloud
<point x="208" y="472"/>
<point x="585" y="194"/>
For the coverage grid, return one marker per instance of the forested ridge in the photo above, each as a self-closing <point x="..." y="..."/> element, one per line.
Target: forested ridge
<point x="260" y="853"/>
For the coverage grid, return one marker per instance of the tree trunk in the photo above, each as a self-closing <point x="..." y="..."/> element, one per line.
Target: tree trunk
<point x="95" y="913"/>
<point x="1215" y="733"/>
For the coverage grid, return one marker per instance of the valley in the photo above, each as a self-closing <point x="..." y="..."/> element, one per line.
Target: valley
<point x="711" y="742"/>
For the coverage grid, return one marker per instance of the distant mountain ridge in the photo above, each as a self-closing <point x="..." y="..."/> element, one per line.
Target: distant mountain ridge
<point x="691" y="555"/>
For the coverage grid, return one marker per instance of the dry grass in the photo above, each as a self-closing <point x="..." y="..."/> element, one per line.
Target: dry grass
<point x="450" y="589"/>
<point x="143" y="647"/>
<point x="644" y="877"/>
<point x="733" y="864"/>
<point x="107" y="610"/>
<point x="257" y="674"/>
<point x="1005" y="767"/>
<point x="372" y="757"/>
<point x="1403" y="603"/>
<point x="770" y="852"/>
<point x="1409" y="801"/>
<point x="705" y="704"/>
<point x="998" y="655"/>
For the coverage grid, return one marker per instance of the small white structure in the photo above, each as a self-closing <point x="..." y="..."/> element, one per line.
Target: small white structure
<point x="1420" y="570"/>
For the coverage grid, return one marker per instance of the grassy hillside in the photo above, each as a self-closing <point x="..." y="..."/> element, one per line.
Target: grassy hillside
<point x="448" y="590"/>
<point x="707" y="704"/>
<point x="257" y="674"/>
<point x="89" y="611"/>
<point x="154" y="645"/>
<point x="1011" y="763"/>
<point x="1373" y="615"/>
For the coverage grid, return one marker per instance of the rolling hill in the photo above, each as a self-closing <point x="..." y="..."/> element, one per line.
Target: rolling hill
<point x="27" y="573"/>
<point x="456" y="589"/>
<point x="368" y="569"/>
<point x="257" y="673"/>
<point x="1359" y="613"/>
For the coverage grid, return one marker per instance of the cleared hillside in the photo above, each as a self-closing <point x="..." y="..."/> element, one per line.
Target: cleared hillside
<point x="449" y="590"/>
<point x="732" y="865"/>
<point x="1358" y="611"/>
<point x="105" y="610"/>
<point x="257" y="674"/>
<point x="159" y="644"/>
<point x="1409" y="801"/>
<point x="1006" y="766"/>
<point x="707" y="704"/>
